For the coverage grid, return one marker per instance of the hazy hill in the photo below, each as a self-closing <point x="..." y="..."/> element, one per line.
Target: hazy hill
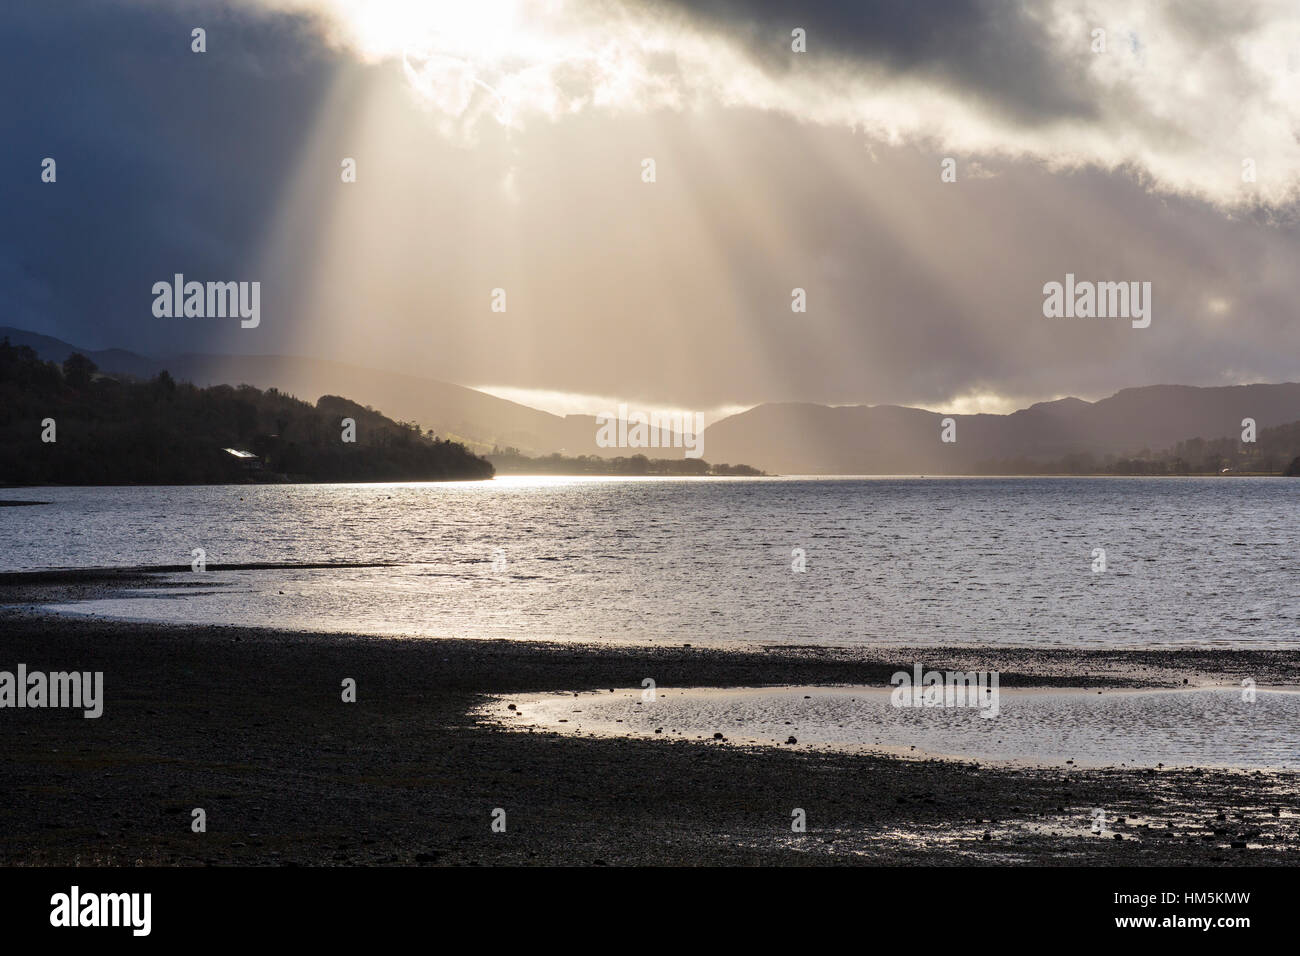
<point x="888" y="439"/>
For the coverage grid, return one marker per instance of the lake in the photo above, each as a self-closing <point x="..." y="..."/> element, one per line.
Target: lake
<point x="907" y="561"/>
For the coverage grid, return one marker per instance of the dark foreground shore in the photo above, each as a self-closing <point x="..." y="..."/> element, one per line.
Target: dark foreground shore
<point x="249" y="725"/>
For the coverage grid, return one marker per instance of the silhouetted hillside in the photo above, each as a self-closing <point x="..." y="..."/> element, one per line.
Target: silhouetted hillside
<point x="108" y="431"/>
<point x="474" y="418"/>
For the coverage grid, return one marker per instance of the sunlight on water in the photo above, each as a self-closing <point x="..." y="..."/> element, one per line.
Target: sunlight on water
<point x="707" y="561"/>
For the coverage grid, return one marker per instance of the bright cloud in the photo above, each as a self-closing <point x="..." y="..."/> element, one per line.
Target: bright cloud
<point x="1194" y="100"/>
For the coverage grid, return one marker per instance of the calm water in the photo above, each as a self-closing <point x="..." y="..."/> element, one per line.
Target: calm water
<point x="904" y="561"/>
<point x="1201" y="727"/>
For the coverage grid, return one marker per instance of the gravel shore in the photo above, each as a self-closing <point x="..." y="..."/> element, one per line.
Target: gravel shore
<point x="249" y="725"/>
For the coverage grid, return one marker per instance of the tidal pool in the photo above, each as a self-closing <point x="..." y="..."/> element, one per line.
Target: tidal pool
<point x="1204" y="727"/>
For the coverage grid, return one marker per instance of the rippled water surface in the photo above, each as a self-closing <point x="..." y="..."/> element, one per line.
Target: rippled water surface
<point x="905" y="561"/>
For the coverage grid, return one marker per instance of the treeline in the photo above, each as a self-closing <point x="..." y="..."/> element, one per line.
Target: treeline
<point x="511" y="461"/>
<point x="120" y="431"/>
<point x="1275" y="451"/>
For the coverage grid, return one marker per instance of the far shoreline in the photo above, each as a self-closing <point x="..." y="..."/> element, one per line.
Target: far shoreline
<point x="625" y="477"/>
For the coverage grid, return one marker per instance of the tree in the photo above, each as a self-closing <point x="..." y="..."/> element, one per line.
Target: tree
<point x="164" y="386"/>
<point x="78" y="370"/>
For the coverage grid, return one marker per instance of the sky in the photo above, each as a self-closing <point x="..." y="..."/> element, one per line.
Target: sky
<point x="503" y="145"/>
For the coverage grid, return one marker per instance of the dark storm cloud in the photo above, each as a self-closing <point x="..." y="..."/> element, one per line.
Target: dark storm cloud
<point x="167" y="160"/>
<point x="995" y="51"/>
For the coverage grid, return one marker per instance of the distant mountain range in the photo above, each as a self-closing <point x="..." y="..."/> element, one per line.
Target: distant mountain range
<point x="778" y="438"/>
<point x="889" y="439"/>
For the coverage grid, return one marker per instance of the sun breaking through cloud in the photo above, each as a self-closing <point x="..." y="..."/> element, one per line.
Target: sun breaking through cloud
<point x="1190" y="99"/>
